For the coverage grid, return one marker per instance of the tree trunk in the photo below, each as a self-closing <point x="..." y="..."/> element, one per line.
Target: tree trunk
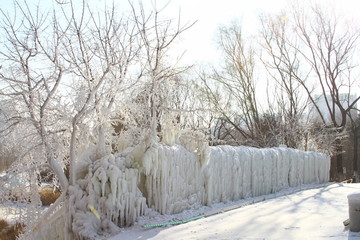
<point x="355" y="154"/>
<point x="333" y="169"/>
<point x="336" y="168"/>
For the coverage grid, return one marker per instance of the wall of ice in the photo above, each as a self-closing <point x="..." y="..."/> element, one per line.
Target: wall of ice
<point x="107" y="196"/>
<point x="115" y="189"/>
<point x="173" y="179"/>
<point x="176" y="179"/>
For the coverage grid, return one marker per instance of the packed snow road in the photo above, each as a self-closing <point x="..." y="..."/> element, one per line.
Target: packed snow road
<point x="310" y="214"/>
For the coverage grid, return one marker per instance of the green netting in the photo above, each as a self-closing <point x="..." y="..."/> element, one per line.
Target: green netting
<point x="173" y="223"/>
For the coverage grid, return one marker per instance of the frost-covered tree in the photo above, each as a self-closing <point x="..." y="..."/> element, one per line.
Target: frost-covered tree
<point x="155" y="101"/>
<point x="63" y="74"/>
<point x="60" y="69"/>
<point x="31" y="74"/>
<point x="312" y="49"/>
<point x="231" y="90"/>
<point x="281" y="63"/>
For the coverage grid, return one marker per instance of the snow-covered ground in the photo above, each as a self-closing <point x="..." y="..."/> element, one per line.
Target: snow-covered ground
<point x="316" y="213"/>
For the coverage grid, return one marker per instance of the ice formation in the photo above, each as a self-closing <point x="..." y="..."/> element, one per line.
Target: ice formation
<point x="116" y="189"/>
<point x="111" y="188"/>
<point x="176" y="180"/>
<point x="262" y="171"/>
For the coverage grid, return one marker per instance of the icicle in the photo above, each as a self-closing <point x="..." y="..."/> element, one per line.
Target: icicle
<point x="110" y="187"/>
<point x="262" y="171"/>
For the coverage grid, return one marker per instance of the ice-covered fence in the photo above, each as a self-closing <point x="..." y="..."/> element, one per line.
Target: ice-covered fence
<point x="176" y="180"/>
<point x="116" y="189"/>
<point x="233" y="173"/>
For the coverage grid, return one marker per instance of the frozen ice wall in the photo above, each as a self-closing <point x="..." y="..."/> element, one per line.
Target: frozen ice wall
<point x="173" y="179"/>
<point x="116" y="189"/>
<point x="176" y="180"/>
<point x="240" y="172"/>
<point x="107" y="196"/>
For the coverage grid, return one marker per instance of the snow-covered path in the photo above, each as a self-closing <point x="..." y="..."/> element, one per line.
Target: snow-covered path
<point x="309" y="214"/>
